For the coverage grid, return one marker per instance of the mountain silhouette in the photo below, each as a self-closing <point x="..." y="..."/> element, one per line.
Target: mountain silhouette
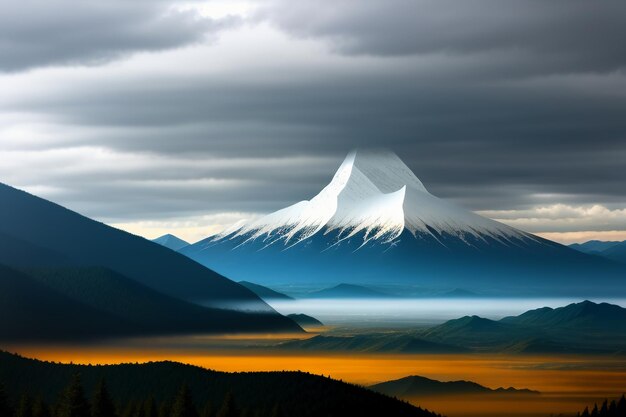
<point x="419" y="386"/>
<point x="57" y="245"/>
<point x="297" y="393"/>
<point x="376" y="224"/>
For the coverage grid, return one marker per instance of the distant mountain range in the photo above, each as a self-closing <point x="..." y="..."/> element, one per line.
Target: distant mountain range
<point x="584" y="327"/>
<point x="615" y="251"/>
<point x="376" y="224"/>
<point x="296" y="393"/>
<point x="170" y="241"/>
<point x="353" y="291"/>
<point x="349" y="291"/>
<point x="67" y="276"/>
<point x="372" y="343"/>
<point x="419" y="386"/>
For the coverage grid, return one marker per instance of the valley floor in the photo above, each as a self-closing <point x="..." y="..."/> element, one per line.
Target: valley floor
<point x="567" y="383"/>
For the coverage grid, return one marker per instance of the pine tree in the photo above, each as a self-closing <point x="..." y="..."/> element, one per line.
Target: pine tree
<point x="5" y="406"/>
<point x="277" y="411"/>
<point x="139" y="409"/>
<point x="229" y="408"/>
<point x="621" y="406"/>
<point x="24" y="407"/>
<point x="183" y="404"/>
<point x="165" y="409"/>
<point x="150" y="408"/>
<point x="604" y="410"/>
<point x="594" y="412"/>
<point x="585" y="412"/>
<point x="73" y="402"/>
<point x="102" y="404"/>
<point x="40" y="408"/>
<point x="207" y="410"/>
<point x="613" y="408"/>
<point x="130" y="410"/>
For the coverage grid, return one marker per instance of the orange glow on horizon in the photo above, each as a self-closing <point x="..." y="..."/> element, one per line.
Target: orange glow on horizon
<point x="567" y="383"/>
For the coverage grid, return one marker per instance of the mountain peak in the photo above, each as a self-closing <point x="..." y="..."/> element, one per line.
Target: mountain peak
<point x="385" y="169"/>
<point x="376" y="196"/>
<point x="170" y="241"/>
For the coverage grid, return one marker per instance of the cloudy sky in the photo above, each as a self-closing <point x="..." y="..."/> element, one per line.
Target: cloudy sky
<point x="164" y="116"/>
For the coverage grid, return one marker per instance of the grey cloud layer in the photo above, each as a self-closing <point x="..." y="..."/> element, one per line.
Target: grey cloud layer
<point x="495" y="104"/>
<point x="36" y="33"/>
<point x="489" y="147"/>
<point x="562" y="35"/>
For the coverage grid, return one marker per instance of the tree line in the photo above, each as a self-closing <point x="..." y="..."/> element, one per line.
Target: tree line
<point x="73" y="402"/>
<point x="607" y="409"/>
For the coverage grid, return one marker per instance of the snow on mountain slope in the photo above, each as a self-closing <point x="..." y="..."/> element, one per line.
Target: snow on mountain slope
<point x="373" y="194"/>
<point x="376" y="224"/>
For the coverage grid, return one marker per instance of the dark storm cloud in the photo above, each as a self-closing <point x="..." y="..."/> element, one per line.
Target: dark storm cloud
<point x="556" y="35"/>
<point x="488" y="146"/>
<point x="495" y="104"/>
<point x="36" y="33"/>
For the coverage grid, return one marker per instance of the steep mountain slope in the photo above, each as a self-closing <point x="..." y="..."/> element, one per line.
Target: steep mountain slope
<point x="170" y="241"/>
<point x="85" y="242"/>
<point x="375" y="223"/>
<point x="297" y="393"/>
<point x="30" y="310"/>
<point x="38" y="233"/>
<point x="416" y="386"/>
<point x="305" y="321"/>
<point x="265" y="293"/>
<point x="148" y="311"/>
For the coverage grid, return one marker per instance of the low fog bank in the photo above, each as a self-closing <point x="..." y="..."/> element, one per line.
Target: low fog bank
<point x="418" y="311"/>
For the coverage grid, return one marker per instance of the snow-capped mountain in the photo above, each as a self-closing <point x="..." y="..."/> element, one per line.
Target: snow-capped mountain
<point x="376" y="196"/>
<point x="375" y="222"/>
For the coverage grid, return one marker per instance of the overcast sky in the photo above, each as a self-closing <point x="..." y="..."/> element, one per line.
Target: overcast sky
<point x="163" y="116"/>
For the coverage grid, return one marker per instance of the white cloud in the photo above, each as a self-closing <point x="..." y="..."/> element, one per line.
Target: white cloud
<point x="191" y="229"/>
<point x="562" y="218"/>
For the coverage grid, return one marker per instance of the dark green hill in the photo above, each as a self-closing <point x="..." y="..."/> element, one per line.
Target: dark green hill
<point x="30" y="310"/>
<point x="39" y="233"/>
<point x="149" y="310"/>
<point x="298" y="394"/>
<point x="18" y="252"/>
<point x="584" y="315"/>
<point x="416" y="386"/>
<point x="477" y="333"/>
<point x="584" y="327"/>
<point x="85" y="242"/>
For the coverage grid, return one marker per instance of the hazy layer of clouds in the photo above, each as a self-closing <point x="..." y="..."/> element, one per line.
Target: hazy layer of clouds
<point x="36" y="33"/>
<point x="561" y="36"/>
<point x="561" y="218"/>
<point x="498" y="105"/>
